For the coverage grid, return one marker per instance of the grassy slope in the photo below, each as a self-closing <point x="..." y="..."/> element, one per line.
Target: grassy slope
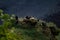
<point x="23" y="31"/>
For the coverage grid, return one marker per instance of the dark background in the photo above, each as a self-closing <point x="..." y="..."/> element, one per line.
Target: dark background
<point x="48" y="10"/>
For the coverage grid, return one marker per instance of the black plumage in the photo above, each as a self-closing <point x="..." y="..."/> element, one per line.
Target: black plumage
<point x="16" y="17"/>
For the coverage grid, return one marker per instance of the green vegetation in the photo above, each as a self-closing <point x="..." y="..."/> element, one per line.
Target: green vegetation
<point x="9" y="30"/>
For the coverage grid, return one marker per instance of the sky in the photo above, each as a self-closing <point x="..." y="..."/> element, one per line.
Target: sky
<point x="21" y="8"/>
